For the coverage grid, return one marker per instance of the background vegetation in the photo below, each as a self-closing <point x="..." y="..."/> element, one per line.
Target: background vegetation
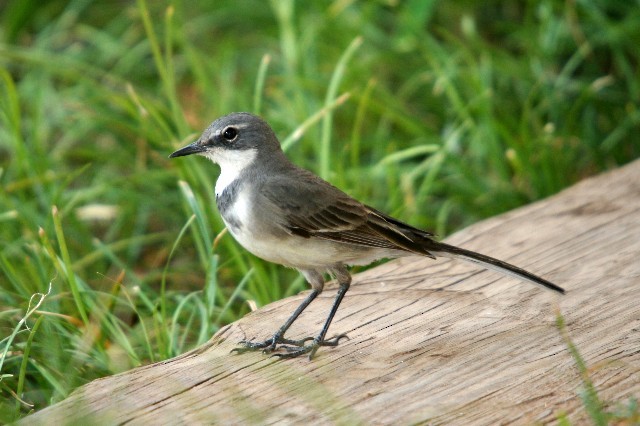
<point x="441" y="113"/>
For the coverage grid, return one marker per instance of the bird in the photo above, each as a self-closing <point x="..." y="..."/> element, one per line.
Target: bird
<point x="287" y="215"/>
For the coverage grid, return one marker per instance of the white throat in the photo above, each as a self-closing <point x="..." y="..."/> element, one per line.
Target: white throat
<point x="232" y="163"/>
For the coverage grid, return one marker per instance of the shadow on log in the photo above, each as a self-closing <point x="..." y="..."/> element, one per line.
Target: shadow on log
<point x="430" y="341"/>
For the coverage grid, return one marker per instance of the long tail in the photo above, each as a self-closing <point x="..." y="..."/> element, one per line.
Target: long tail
<point x="446" y="250"/>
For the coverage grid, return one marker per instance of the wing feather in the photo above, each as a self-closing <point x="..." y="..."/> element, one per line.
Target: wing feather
<point x="314" y="208"/>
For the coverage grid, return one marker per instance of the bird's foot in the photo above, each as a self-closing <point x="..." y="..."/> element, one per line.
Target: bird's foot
<point x="301" y="349"/>
<point x="293" y="348"/>
<point x="269" y="345"/>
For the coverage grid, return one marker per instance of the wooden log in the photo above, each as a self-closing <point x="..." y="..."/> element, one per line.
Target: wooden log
<point x="440" y="342"/>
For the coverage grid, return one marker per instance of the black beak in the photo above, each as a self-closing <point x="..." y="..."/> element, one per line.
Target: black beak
<point x="193" y="148"/>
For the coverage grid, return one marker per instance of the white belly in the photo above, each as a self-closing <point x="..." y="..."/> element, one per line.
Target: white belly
<point x="292" y="250"/>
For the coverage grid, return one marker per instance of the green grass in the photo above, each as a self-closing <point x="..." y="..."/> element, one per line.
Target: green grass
<point x="595" y="407"/>
<point x="441" y="113"/>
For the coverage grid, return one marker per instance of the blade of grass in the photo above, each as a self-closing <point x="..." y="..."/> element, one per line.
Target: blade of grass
<point x="259" y="88"/>
<point x="302" y="128"/>
<point x="589" y="396"/>
<point x="174" y="346"/>
<point x="70" y="275"/>
<point x="164" y="63"/>
<point x="327" y="121"/>
<point x="234" y="295"/>
<point x="204" y="240"/>
<point x="211" y="286"/>
<point x="409" y="153"/>
<point x="358" y="123"/>
<point x="25" y="361"/>
<point x="163" y="281"/>
<point x="147" y="337"/>
<point x="23" y="320"/>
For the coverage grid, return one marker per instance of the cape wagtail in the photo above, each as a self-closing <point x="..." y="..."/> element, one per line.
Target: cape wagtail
<point x="288" y="215"/>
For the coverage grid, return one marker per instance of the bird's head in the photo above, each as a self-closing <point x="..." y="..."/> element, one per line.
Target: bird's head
<point x="234" y="140"/>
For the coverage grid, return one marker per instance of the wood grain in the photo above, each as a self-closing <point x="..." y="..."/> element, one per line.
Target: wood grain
<point x="437" y="342"/>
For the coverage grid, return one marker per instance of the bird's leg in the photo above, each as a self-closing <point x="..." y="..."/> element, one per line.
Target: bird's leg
<point x="344" y="279"/>
<point x="269" y="345"/>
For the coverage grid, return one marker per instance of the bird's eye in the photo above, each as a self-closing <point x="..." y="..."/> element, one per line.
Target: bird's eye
<point x="230" y="133"/>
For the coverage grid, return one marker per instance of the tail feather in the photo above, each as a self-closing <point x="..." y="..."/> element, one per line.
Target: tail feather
<point x="446" y="250"/>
